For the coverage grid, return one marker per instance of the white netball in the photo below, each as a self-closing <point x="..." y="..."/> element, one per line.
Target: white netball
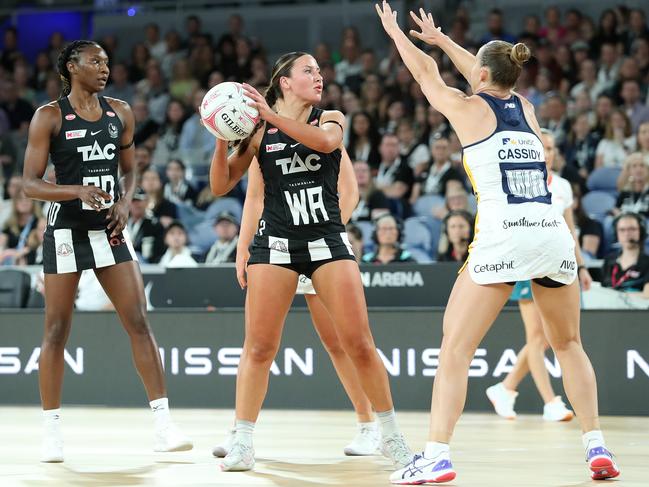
<point x="226" y="113"/>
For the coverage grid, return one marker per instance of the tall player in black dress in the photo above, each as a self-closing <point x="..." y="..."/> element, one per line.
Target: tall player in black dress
<point x="298" y="149"/>
<point x="87" y="137"/>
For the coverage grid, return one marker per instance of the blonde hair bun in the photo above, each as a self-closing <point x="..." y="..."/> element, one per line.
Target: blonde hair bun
<point x="520" y="54"/>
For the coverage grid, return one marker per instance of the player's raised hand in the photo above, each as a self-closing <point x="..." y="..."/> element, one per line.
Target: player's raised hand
<point x="430" y="33"/>
<point x="388" y="18"/>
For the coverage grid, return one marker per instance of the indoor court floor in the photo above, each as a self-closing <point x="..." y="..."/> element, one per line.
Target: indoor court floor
<point x="112" y="447"/>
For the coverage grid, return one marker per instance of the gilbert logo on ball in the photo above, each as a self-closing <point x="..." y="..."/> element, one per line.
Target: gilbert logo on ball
<point x="226" y="114"/>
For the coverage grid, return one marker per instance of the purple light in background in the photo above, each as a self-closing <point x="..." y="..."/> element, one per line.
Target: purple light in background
<point x="131" y="11"/>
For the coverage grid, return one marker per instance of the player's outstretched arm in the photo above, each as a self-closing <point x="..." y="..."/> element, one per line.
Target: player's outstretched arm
<point x="433" y="35"/>
<point x="444" y="99"/>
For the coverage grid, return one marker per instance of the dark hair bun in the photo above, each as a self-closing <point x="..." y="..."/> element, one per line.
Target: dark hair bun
<point x="520" y="54"/>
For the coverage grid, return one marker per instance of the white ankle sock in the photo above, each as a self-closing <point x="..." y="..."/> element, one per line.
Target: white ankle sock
<point x="369" y="425"/>
<point x="52" y="418"/>
<point x="243" y="431"/>
<point x="388" y="422"/>
<point x="434" y="448"/>
<point x="592" y="439"/>
<point x="161" y="414"/>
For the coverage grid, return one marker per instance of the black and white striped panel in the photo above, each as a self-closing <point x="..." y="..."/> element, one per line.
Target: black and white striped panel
<point x="69" y="250"/>
<point x="278" y="250"/>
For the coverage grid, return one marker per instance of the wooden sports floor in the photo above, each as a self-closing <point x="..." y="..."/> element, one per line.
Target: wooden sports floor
<point x="112" y="447"/>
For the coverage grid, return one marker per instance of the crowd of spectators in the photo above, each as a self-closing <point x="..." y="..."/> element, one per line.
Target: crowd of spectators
<point x="588" y="80"/>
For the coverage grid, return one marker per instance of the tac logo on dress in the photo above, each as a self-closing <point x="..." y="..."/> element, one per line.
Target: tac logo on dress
<point x="112" y="131"/>
<point x="64" y="250"/>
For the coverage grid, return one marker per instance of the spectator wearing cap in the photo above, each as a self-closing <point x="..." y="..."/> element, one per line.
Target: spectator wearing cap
<point x="226" y="227"/>
<point x="177" y="254"/>
<point x="145" y="231"/>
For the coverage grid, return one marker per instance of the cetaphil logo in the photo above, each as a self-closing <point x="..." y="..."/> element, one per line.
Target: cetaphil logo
<point x="275" y="147"/>
<point x="75" y="134"/>
<point x="296" y="164"/>
<point x="500" y="266"/>
<point x="64" y="250"/>
<point x="96" y="153"/>
<point x="279" y="246"/>
<point x="112" y="131"/>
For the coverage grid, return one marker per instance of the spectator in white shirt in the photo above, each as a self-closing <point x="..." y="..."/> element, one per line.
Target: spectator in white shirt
<point x="177" y="254"/>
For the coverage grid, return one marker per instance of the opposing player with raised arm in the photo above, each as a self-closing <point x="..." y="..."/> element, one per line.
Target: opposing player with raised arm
<point x="504" y="158"/>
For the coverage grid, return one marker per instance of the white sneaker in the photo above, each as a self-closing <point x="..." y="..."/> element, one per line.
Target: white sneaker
<point x="556" y="410"/>
<point x="423" y="470"/>
<point x="223" y="448"/>
<point x="52" y="447"/>
<point x="503" y="400"/>
<point x="395" y="448"/>
<point x="239" y="459"/>
<point x="366" y="442"/>
<point x="170" y="438"/>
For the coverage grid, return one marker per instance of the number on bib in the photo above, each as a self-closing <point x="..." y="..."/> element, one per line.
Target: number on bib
<point x="525" y="182"/>
<point x="107" y="183"/>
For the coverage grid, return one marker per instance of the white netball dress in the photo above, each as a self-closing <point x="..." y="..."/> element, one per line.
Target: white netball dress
<point x="519" y="234"/>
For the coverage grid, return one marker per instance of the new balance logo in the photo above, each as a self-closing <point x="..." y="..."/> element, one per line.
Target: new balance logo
<point x="296" y="164"/>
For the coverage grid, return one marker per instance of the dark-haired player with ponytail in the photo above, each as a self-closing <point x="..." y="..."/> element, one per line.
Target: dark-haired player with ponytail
<point x="519" y="235"/>
<point x="89" y="139"/>
<point x="298" y="149"/>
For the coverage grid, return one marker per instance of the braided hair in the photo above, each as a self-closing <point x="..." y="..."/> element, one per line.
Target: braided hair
<point x="69" y="53"/>
<point x="273" y="92"/>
